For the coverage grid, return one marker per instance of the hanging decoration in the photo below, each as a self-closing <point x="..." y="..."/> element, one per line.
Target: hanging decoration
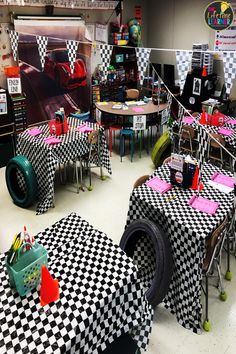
<point x="75" y="4"/>
<point x="229" y="59"/>
<point x="72" y="47"/>
<point x="183" y="61"/>
<point x="42" y="48"/>
<point x="142" y="55"/>
<point x="105" y="52"/>
<point x="203" y="143"/>
<point x="14" y="36"/>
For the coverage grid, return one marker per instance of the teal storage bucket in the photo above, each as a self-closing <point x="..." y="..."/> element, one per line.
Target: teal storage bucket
<point x="25" y="274"/>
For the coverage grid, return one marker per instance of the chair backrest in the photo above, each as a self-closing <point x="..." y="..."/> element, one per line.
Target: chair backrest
<point x="93" y="137"/>
<point x="187" y="132"/>
<point x="167" y="160"/>
<point x="141" y="180"/>
<point x="217" y="137"/>
<point x="132" y="94"/>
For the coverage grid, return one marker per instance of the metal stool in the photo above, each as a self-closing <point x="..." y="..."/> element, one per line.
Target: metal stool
<point x="123" y="134"/>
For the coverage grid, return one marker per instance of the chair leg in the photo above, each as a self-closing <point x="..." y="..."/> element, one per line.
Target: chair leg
<point x="121" y="147"/>
<point x="206" y="323"/>
<point x="77" y="177"/>
<point x="110" y="141"/>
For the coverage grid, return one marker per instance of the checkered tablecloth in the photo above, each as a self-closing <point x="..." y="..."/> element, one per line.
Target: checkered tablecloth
<point x="187" y="229"/>
<point x="45" y="158"/>
<point x="100" y="297"/>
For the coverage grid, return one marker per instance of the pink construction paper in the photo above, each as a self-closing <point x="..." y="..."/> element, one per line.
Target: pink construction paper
<point x="188" y="120"/>
<point x="158" y="185"/>
<point x="138" y="109"/>
<point x="223" y="179"/>
<point x="231" y="121"/>
<point x="203" y="204"/>
<point x="225" y="131"/>
<point x="84" y="129"/>
<point x="34" y="131"/>
<point x="51" y="140"/>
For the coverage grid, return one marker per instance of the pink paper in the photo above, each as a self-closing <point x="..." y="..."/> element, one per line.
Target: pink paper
<point x="203" y="204"/>
<point x="225" y="131"/>
<point x="84" y="129"/>
<point x="231" y="121"/>
<point x="34" y="131"/>
<point x="223" y="179"/>
<point x="158" y="185"/>
<point x="188" y="120"/>
<point x="51" y="140"/>
<point x="138" y="109"/>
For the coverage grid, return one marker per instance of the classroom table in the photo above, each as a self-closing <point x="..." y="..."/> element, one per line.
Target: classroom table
<point x="187" y="230"/>
<point x="45" y="158"/>
<point x="100" y="296"/>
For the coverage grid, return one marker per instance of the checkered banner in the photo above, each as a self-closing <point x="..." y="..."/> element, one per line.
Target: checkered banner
<point x="42" y="47"/>
<point x="183" y="61"/>
<point x="229" y="59"/>
<point x="14" y="36"/>
<point x="142" y="55"/>
<point x="202" y="139"/>
<point x="105" y="52"/>
<point x="72" y="47"/>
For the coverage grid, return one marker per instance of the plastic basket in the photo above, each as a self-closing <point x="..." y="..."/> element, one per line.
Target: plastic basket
<point x="25" y="274"/>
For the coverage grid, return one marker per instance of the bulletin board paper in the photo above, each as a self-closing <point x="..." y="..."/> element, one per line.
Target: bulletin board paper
<point x="101" y="33"/>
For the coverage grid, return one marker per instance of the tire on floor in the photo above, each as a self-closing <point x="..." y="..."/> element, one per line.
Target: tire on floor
<point x="21" y="181"/>
<point x="149" y="247"/>
<point x="161" y="149"/>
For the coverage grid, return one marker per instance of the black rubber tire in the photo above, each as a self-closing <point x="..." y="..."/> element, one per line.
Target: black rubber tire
<point x="21" y="198"/>
<point x="123" y="344"/>
<point x="163" y="256"/>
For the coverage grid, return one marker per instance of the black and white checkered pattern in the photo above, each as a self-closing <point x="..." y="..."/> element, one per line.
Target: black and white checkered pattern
<point x="42" y="48"/>
<point x="14" y="36"/>
<point x="187" y="229"/>
<point x="105" y="52"/>
<point x="72" y="47"/>
<point x="101" y="296"/>
<point x="229" y="59"/>
<point x="45" y="158"/>
<point x="142" y="55"/>
<point x="183" y="61"/>
<point x="202" y="150"/>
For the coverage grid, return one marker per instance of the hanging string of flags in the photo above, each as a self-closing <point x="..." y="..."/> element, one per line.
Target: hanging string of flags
<point x="42" y="48"/>
<point x="142" y="55"/>
<point x="105" y="52"/>
<point x="183" y="61"/>
<point x="72" y="47"/>
<point x="229" y="60"/>
<point x="14" y="36"/>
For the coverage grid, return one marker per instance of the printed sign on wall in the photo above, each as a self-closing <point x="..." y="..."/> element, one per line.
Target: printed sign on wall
<point x="139" y="122"/>
<point x="14" y="85"/>
<point x="3" y="103"/>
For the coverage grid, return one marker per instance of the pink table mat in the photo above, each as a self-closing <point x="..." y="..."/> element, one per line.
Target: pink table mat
<point x="51" y="140"/>
<point x="203" y="204"/>
<point x="231" y="121"/>
<point x="138" y="109"/>
<point x="34" y="131"/>
<point x="188" y="120"/>
<point x="158" y="185"/>
<point x="225" y="131"/>
<point x="84" y="129"/>
<point x="223" y="179"/>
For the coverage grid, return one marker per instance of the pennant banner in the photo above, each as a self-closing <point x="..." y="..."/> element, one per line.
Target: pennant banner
<point x="42" y="47"/>
<point x="183" y="61"/>
<point x="105" y="51"/>
<point x="14" y="36"/>
<point x="72" y="47"/>
<point x="142" y="55"/>
<point x="203" y="143"/>
<point x="229" y="59"/>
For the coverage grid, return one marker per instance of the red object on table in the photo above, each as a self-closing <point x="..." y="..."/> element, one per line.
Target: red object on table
<point x="194" y="185"/>
<point x="217" y="119"/>
<point x="58" y="128"/>
<point x="203" y="118"/>
<point x="49" y="290"/>
<point x="204" y="72"/>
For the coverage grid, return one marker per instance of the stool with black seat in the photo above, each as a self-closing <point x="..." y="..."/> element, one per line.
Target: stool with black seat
<point x="215" y="150"/>
<point x="187" y="141"/>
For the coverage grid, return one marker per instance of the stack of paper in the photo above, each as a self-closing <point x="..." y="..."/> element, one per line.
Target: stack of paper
<point x="158" y="185"/>
<point x="203" y="204"/>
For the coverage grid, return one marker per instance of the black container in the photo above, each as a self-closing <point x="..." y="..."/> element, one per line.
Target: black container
<point x="183" y="179"/>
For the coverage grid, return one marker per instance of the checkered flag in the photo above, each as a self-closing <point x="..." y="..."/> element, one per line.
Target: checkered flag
<point x="203" y="142"/>
<point x="142" y="55"/>
<point x="105" y="52"/>
<point x="180" y="117"/>
<point x="42" y="47"/>
<point x="14" y="36"/>
<point x="72" y="47"/>
<point x="229" y="59"/>
<point x="183" y="60"/>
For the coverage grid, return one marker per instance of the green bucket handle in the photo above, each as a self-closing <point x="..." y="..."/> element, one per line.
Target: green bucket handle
<point x="19" y="250"/>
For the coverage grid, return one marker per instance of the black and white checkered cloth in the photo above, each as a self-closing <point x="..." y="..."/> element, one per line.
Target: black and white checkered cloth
<point x="72" y="47"/>
<point x="101" y="297"/>
<point x="183" y="61"/>
<point x="229" y="59"/>
<point x="142" y="55"/>
<point x="42" y="48"/>
<point x="14" y="36"/>
<point x="187" y="229"/>
<point x="45" y="158"/>
<point x="105" y="52"/>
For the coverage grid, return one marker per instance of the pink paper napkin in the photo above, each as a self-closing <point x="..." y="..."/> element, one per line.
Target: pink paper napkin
<point x="223" y="179"/>
<point x="225" y="131"/>
<point x="203" y="204"/>
<point x="34" y="131"/>
<point x="231" y="121"/>
<point x="188" y="120"/>
<point x="138" y="109"/>
<point x="158" y="185"/>
<point x="51" y="140"/>
<point x="84" y="129"/>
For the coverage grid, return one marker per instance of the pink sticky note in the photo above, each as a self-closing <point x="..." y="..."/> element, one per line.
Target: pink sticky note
<point x="188" y="120"/>
<point x="138" y="109"/>
<point x="225" y="131"/>
<point x="223" y="179"/>
<point x="34" y="131"/>
<point x="158" y="185"/>
<point x="231" y="121"/>
<point x="84" y="129"/>
<point x="203" y="204"/>
<point x="51" y="140"/>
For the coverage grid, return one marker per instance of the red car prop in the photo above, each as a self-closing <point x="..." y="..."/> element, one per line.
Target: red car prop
<point x="57" y="67"/>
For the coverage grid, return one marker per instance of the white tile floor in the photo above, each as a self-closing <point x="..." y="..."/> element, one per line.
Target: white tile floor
<point x="106" y="209"/>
